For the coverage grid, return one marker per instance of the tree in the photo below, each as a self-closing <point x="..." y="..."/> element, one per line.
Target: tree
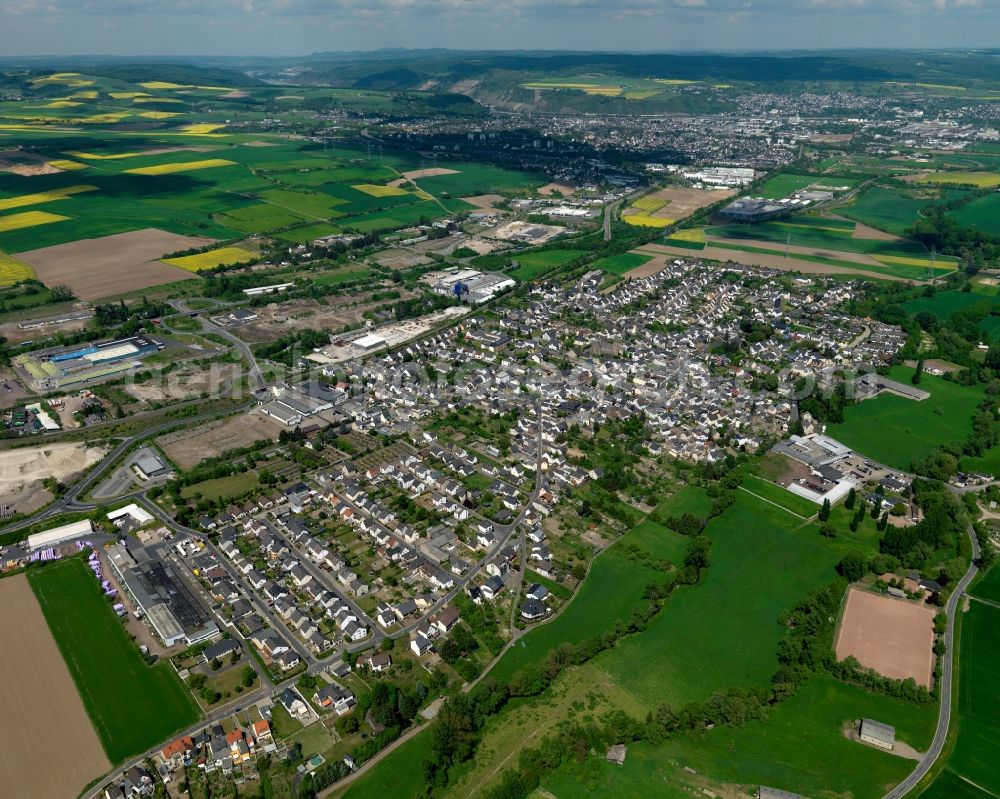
<point x="852" y="566"/>
<point x="248" y="676"/>
<point x="824" y="512"/>
<point x="918" y="373"/>
<point x="852" y="497"/>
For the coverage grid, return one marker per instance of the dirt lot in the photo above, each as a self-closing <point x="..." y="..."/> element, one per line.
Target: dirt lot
<point x="41" y="706"/>
<point x="565" y="189"/>
<point x="682" y="201"/>
<point x="184" y="384"/>
<point x="277" y="319"/>
<point x="658" y="263"/>
<point x="399" y="259"/>
<point x="25" y="164"/>
<point x="22" y="470"/>
<point x="95" y="268"/>
<point x="486" y="202"/>
<point x="429" y="173"/>
<point x="892" y="636"/>
<point x="189" y="447"/>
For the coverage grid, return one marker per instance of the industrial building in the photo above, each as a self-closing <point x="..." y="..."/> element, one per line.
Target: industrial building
<point x="70" y="366"/>
<point x="162" y="597"/>
<point x="148" y="465"/>
<point x="292" y="405"/>
<point x="471" y="285"/>
<point x="758" y="209"/>
<point x="60" y="535"/>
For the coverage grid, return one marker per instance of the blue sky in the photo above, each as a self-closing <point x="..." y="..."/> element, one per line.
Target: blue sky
<point x="292" y="27"/>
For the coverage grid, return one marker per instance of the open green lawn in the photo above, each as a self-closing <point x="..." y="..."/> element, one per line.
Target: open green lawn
<point x="894" y="430"/>
<point x="223" y="488"/>
<point x="780" y="496"/>
<point x="133" y="706"/>
<point x="620" y="264"/>
<point x="784" y="184"/>
<point x="612" y="590"/>
<point x="944" y="303"/>
<point x="343" y="276"/>
<point x="724" y="632"/>
<point x="397" y="775"/>
<point x="974" y="758"/>
<point x="894" y="209"/>
<point x="800" y="748"/>
<point x="983" y="214"/>
<point x="532" y="264"/>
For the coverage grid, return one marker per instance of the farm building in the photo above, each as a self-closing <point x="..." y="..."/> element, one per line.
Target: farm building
<point x="763" y="792"/>
<point x="877" y="734"/>
<point x="60" y="535"/>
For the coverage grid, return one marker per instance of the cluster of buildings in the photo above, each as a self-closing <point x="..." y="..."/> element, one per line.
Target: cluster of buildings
<point x="69" y="367"/>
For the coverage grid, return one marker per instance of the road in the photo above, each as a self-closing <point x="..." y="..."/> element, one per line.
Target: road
<point x="256" y="376"/>
<point x="947" y="663"/>
<point x="608" y="213"/>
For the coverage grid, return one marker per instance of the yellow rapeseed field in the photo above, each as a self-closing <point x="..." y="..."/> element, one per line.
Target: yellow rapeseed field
<point x="13" y="271"/>
<point x="187" y="166"/>
<point x="43" y="197"/>
<point x="375" y="190"/>
<point x="981" y="180"/>
<point x="643" y="220"/>
<point x="210" y="260"/>
<point x="27" y="219"/>
<point x="695" y="234"/>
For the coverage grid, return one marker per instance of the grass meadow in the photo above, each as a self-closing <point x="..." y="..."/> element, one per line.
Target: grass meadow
<point x="133" y="706"/>
<point x="531" y="265"/>
<point x="894" y="430"/>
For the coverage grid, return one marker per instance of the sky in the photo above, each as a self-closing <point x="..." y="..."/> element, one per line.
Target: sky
<point x="299" y="27"/>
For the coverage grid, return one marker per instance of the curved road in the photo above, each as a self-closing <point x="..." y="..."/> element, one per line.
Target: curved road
<point x="947" y="662"/>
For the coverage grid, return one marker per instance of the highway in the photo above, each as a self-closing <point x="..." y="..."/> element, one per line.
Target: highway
<point x="947" y="663"/>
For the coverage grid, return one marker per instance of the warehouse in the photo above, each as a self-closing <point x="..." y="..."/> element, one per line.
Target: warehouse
<point x="163" y="597"/>
<point x="60" y="535"/>
<point x="148" y="465"/>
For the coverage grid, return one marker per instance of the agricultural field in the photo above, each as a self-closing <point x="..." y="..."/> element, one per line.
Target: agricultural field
<point x="132" y="705"/>
<point x="828" y="240"/>
<point x="622" y="263"/>
<point x="41" y="705"/>
<point x="224" y="256"/>
<point x="981" y="180"/>
<point x="983" y="214"/>
<point x="470" y="179"/>
<point x="895" y="431"/>
<point x="944" y="303"/>
<point x="13" y="271"/>
<point x="101" y="267"/>
<point x="674" y="661"/>
<point x="971" y="766"/>
<point x="894" y="209"/>
<point x="531" y="265"/>
<point x="783" y="185"/>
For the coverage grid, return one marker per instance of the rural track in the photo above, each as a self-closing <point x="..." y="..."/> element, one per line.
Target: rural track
<point x="947" y="671"/>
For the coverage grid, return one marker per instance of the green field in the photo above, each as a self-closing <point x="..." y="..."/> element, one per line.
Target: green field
<point x="133" y="706"/>
<point x="612" y="590"/>
<point x="894" y="430"/>
<point x="983" y="214"/>
<point x="944" y="303"/>
<point x="531" y="265"/>
<point x="675" y="660"/>
<point x="894" y="209"/>
<point x="622" y="263"/>
<point x="800" y="748"/>
<point x="472" y="179"/>
<point x="343" y="276"/>
<point x="223" y="488"/>
<point x="974" y="757"/>
<point x="784" y="184"/>
<point x="397" y="775"/>
<point x="988" y="586"/>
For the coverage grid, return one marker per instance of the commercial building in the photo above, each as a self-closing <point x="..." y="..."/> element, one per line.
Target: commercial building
<point x="149" y="465"/>
<point x="60" y="535"/>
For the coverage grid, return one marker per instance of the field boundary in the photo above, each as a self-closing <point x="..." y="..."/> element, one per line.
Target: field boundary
<point x="771" y="502"/>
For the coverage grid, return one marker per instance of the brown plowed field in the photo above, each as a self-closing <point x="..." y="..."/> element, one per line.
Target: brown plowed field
<point x="892" y="636"/>
<point x="48" y="747"/>
<point x="95" y="268"/>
